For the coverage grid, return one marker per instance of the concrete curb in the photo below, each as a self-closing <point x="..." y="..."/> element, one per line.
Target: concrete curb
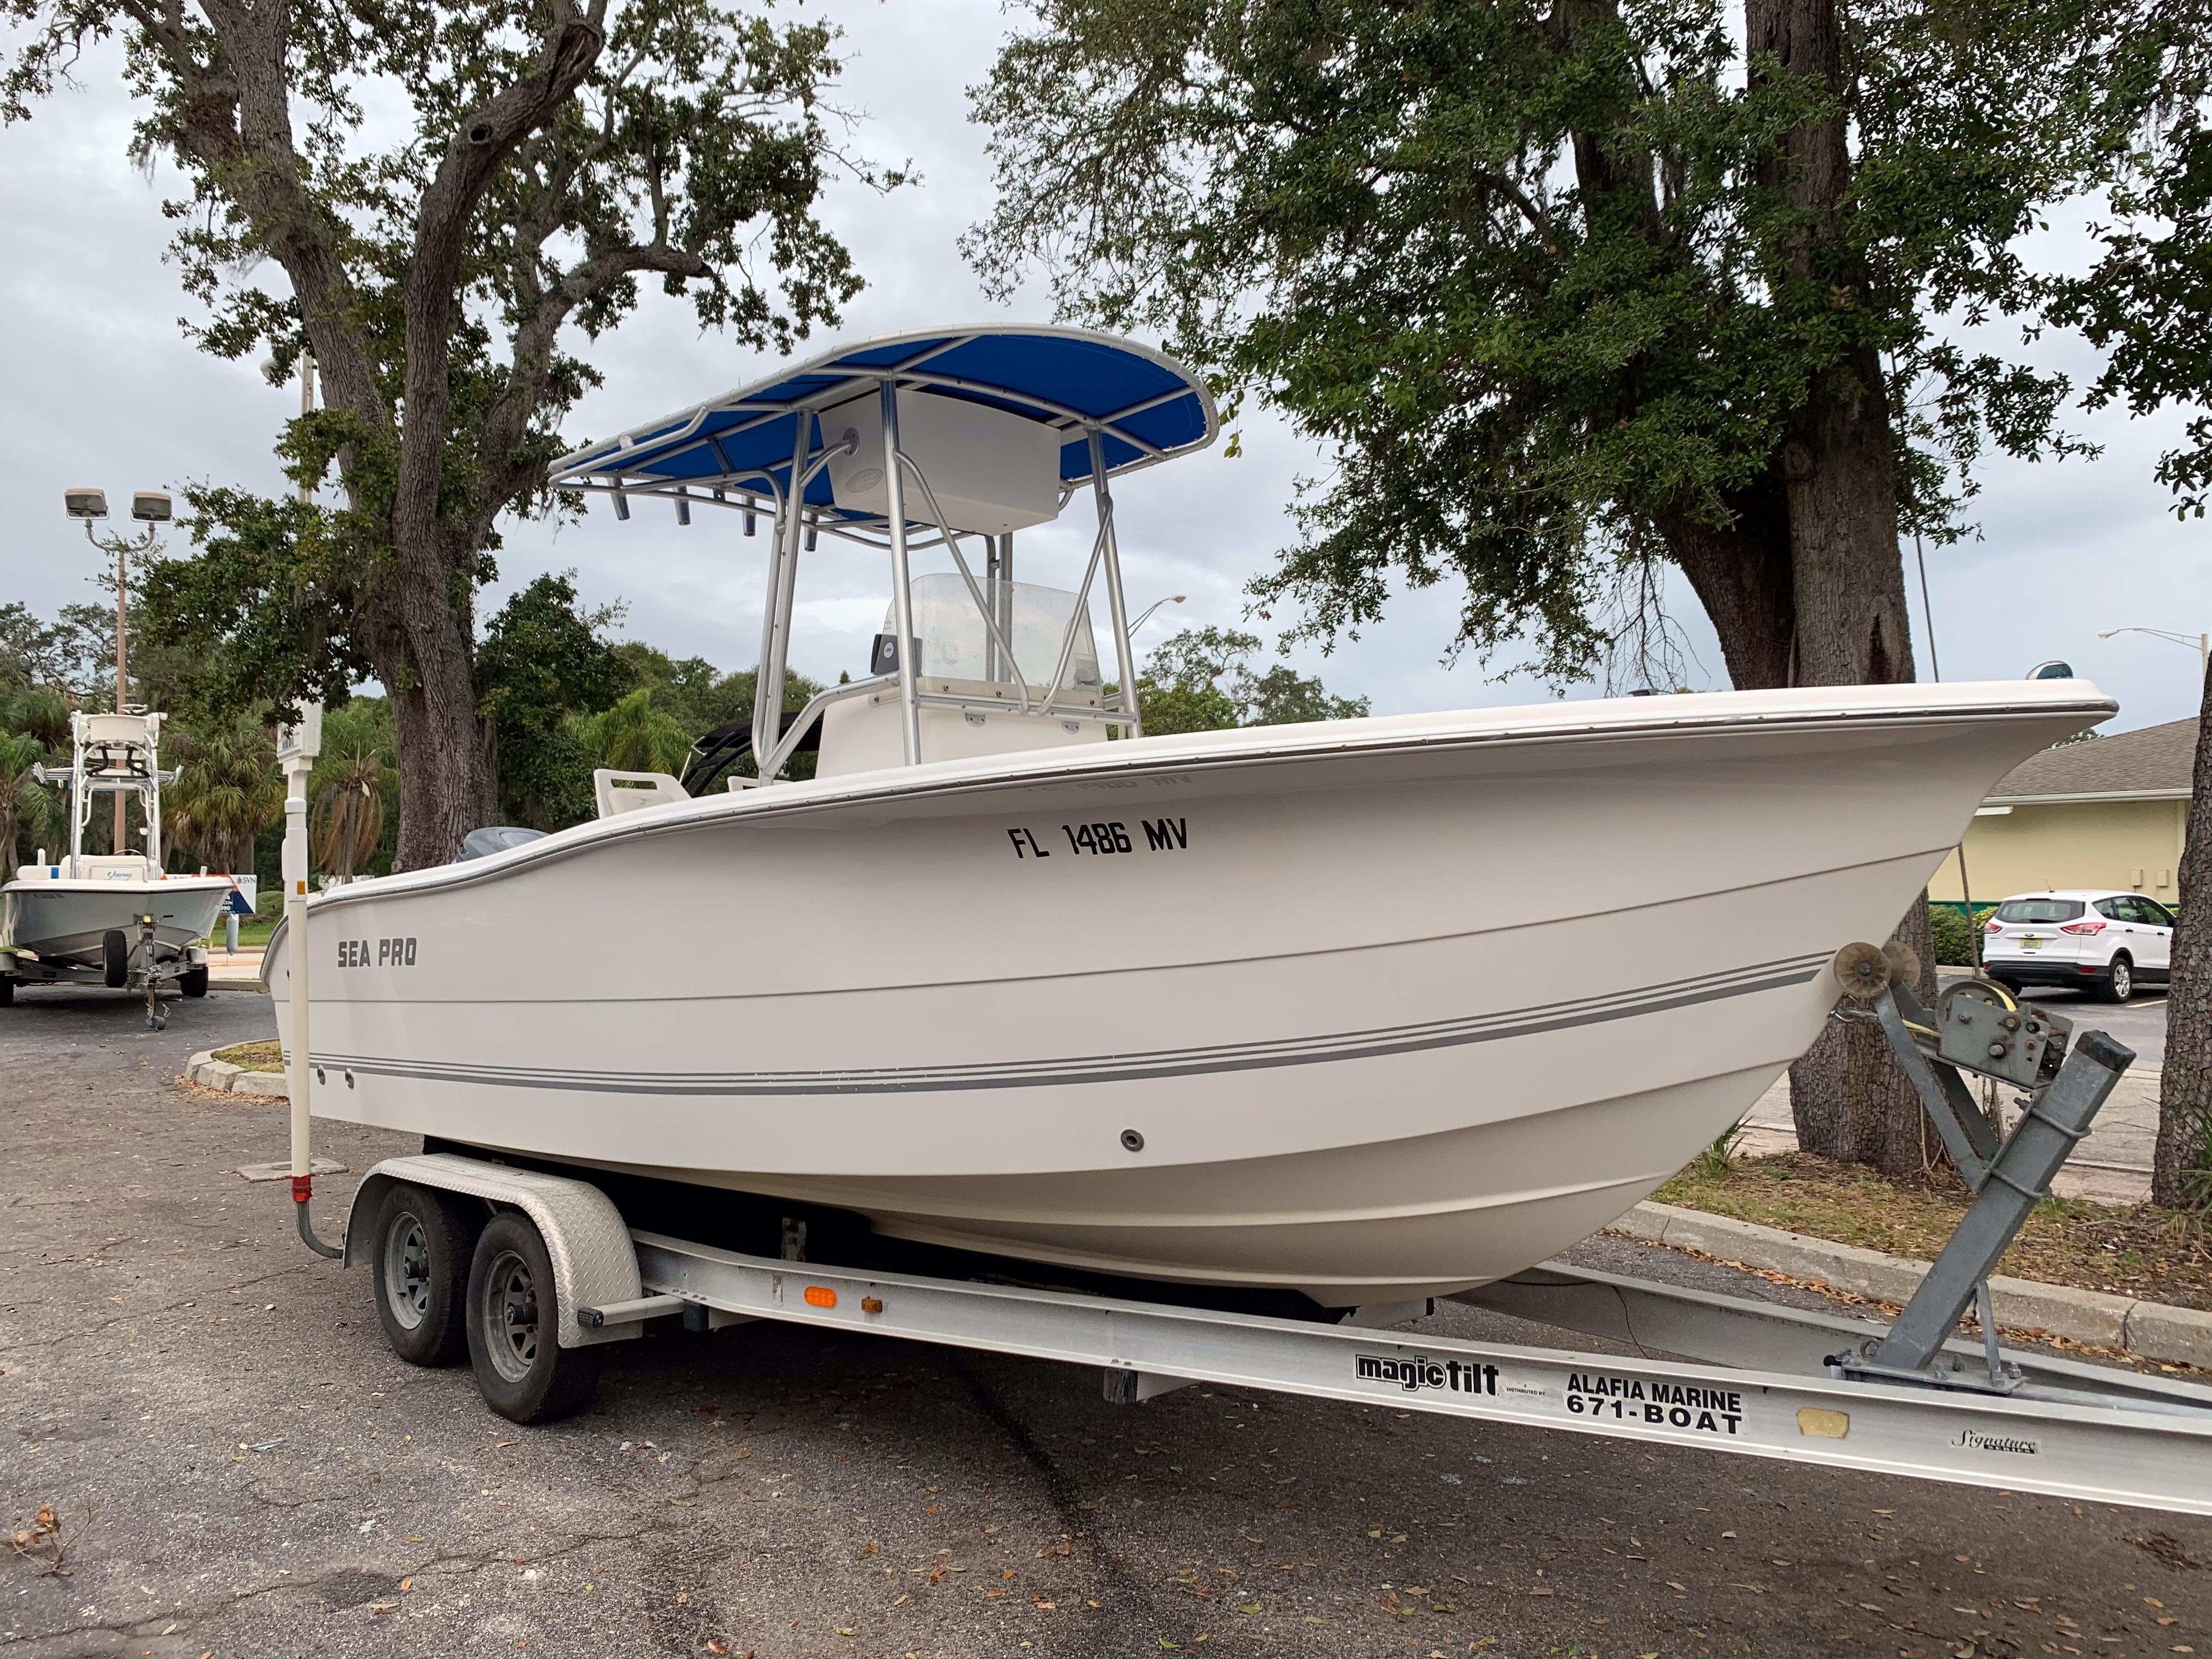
<point x="2149" y="1330"/>
<point x="204" y="1069"/>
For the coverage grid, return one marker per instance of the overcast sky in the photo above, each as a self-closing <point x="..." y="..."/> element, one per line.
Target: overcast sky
<point x="102" y="389"/>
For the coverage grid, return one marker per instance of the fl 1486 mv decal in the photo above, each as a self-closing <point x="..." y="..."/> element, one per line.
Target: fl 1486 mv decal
<point x="1102" y="840"/>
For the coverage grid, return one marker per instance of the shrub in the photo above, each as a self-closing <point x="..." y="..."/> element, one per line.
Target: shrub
<point x="1954" y="935"/>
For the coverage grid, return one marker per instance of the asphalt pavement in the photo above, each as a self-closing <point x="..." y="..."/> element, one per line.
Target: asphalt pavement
<point x="239" y="1467"/>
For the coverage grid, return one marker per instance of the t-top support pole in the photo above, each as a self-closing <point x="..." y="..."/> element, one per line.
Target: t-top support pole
<point x="1117" y="605"/>
<point x="775" y="623"/>
<point x="901" y="589"/>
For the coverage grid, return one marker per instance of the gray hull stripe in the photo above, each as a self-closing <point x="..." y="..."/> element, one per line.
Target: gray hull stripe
<point x="1120" y="1068"/>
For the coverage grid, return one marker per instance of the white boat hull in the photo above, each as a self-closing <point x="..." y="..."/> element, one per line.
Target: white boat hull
<point x="1392" y="1007"/>
<point x="63" y="924"/>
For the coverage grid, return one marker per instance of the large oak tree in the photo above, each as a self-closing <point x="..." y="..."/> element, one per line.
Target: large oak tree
<point x="2148" y="302"/>
<point x="440" y="198"/>
<point x="1573" y="288"/>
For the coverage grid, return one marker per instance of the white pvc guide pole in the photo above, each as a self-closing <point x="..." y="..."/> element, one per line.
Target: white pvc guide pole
<point x="297" y="746"/>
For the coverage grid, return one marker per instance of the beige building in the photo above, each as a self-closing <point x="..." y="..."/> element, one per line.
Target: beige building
<point x="2110" y="812"/>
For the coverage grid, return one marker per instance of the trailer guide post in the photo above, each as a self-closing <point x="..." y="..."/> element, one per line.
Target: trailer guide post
<point x="296" y="749"/>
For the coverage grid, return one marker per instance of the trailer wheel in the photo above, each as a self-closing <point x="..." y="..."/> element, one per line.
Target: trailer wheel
<point x="115" y="958"/>
<point x="7" y="990"/>
<point x="193" y="982"/>
<point x="522" y="1371"/>
<point x="423" y="1241"/>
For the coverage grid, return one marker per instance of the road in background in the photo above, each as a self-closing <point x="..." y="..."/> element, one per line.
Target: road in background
<point x="242" y="1467"/>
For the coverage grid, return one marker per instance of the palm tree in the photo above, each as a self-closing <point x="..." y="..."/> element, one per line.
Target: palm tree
<point x="346" y="822"/>
<point x="25" y="803"/>
<point x="227" y="793"/>
<point x="633" y="735"/>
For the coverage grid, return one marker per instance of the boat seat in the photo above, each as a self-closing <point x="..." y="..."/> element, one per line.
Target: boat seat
<point x="630" y="791"/>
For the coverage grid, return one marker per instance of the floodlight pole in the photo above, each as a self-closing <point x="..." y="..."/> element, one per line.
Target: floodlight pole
<point x="122" y="547"/>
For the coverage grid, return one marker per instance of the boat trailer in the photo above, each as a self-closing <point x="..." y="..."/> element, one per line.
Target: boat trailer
<point x="1713" y="1372"/>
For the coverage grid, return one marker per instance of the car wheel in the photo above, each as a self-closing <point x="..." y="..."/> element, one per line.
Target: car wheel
<point x="423" y="1242"/>
<point x="2119" y="983"/>
<point x="513" y="1328"/>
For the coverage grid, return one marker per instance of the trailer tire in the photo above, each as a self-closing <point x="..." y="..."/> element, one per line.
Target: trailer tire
<point x="522" y="1371"/>
<point x="115" y="958"/>
<point x="420" y="1262"/>
<point x="193" y="982"/>
<point x="7" y="990"/>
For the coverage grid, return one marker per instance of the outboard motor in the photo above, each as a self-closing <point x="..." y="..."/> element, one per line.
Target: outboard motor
<point x="494" y="838"/>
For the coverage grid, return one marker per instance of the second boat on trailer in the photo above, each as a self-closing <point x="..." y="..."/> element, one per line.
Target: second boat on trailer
<point x="1367" y="1011"/>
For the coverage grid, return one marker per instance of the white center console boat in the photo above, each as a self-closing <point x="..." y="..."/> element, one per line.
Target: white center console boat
<point x="110" y="919"/>
<point x="1369" y="1010"/>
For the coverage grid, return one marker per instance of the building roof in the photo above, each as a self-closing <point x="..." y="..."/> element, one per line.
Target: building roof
<point x="2154" y="763"/>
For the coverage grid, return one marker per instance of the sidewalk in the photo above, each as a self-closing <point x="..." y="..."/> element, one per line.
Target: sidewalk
<point x="244" y="968"/>
<point x="2112" y="1166"/>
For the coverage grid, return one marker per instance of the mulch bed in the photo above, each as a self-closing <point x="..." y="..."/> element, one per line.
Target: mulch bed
<point x="2137" y="1249"/>
<point x="253" y="1056"/>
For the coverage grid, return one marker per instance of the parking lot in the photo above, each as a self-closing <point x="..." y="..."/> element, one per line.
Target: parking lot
<point x="239" y="1466"/>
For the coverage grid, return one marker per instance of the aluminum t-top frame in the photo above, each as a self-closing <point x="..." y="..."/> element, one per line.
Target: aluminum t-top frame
<point x="111" y="754"/>
<point x="1114" y="406"/>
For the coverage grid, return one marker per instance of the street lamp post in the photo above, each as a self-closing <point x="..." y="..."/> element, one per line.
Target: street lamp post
<point x="150" y="508"/>
<point x="2201" y="641"/>
<point x="1146" y="615"/>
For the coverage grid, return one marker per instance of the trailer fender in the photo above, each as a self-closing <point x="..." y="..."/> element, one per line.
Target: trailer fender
<point x="593" y="1261"/>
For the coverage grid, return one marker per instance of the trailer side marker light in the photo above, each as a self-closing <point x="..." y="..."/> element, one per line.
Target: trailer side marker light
<point x="821" y="1296"/>
<point x="1821" y="1424"/>
<point x="872" y="1304"/>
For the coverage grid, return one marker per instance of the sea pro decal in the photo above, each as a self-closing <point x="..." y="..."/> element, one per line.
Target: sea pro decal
<point x="1658" y="1402"/>
<point x="1415" y="1372"/>
<point x="376" y="952"/>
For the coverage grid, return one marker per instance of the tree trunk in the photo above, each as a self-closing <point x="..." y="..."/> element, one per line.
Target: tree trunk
<point x="1850" y="1099"/>
<point x="2181" y="1168"/>
<point x="1741" y="576"/>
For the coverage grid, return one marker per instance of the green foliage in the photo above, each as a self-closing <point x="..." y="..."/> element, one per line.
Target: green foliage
<point x="359" y="740"/>
<point x="28" y="807"/>
<point x="1532" y="272"/>
<point x="274" y="607"/>
<point x="1954" y="935"/>
<point x="633" y="735"/>
<point x="2148" y="301"/>
<point x="228" y="790"/>
<point x="1202" y="680"/>
<point x="541" y="660"/>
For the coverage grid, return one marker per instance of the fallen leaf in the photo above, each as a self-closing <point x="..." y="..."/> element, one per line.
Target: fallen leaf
<point x="1251" y="1607"/>
<point x="1672" y="1585"/>
<point x="406" y="1584"/>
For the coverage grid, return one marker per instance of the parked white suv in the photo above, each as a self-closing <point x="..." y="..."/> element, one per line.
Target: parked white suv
<point x="2096" y="939"/>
